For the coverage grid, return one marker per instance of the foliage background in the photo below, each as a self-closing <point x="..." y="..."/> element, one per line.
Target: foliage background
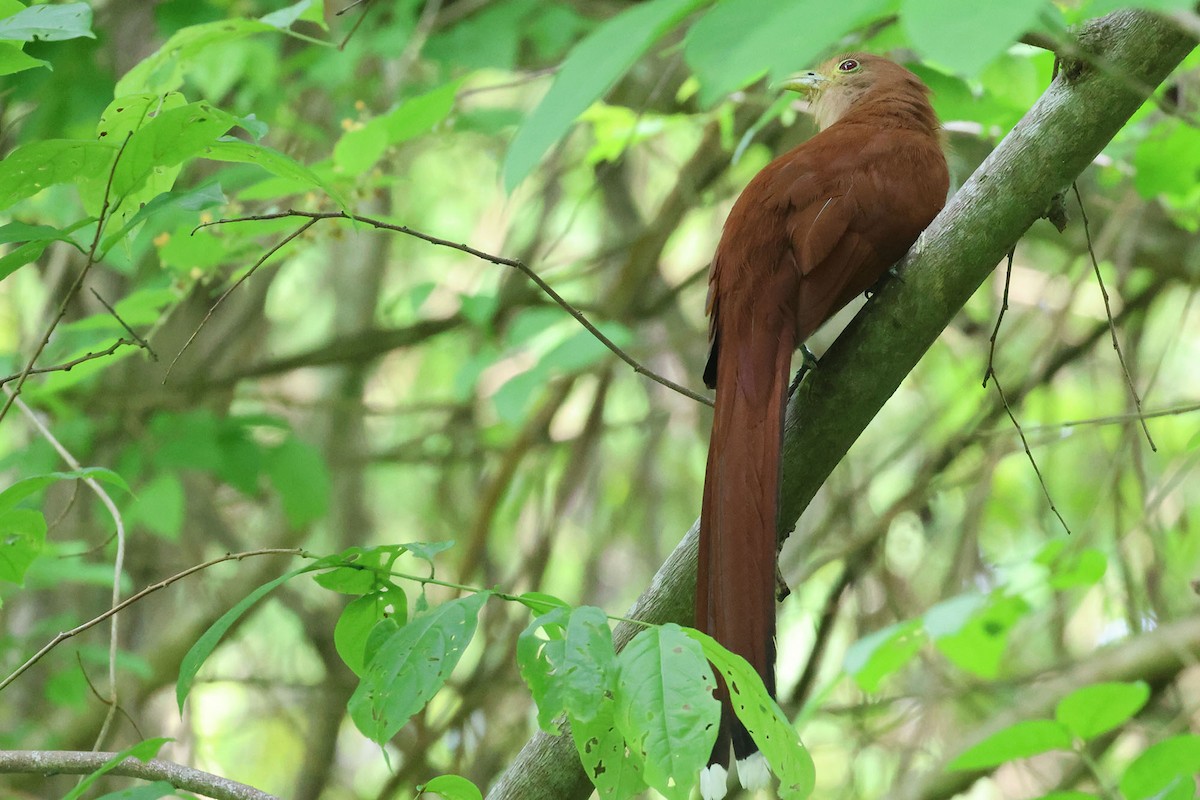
<point x="365" y="388"/>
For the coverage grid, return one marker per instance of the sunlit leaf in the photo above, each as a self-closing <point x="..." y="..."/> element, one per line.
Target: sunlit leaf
<point x="1165" y="771"/>
<point x="1099" y="708"/>
<point x="1028" y="738"/>
<point x="590" y="70"/>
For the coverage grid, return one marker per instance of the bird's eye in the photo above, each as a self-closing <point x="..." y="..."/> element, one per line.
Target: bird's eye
<point x="849" y="65"/>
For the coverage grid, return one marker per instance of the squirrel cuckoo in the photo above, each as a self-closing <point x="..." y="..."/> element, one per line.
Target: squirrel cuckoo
<point x="815" y="228"/>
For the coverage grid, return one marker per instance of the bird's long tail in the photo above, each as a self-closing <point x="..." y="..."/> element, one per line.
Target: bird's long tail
<point x="735" y="584"/>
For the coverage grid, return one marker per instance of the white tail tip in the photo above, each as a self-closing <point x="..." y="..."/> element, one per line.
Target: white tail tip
<point x="753" y="772"/>
<point x="714" y="782"/>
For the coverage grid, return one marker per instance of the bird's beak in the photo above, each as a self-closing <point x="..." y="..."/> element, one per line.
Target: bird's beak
<point x="805" y="82"/>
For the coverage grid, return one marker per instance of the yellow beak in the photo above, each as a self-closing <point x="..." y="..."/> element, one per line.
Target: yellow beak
<point x="805" y="82"/>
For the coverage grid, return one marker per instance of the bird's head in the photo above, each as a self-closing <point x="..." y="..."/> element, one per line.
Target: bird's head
<point x="843" y="82"/>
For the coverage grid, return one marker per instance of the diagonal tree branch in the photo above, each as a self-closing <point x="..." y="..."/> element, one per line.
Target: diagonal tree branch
<point x="1057" y="139"/>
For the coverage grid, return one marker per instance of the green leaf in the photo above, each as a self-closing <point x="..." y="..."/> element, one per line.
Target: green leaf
<point x="48" y="23"/>
<point x="159" y="506"/>
<point x="739" y="41"/>
<point x="284" y="17"/>
<point x="35" y="483"/>
<point x="540" y="602"/>
<point x="163" y="71"/>
<point x="665" y="707"/>
<point x="979" y="646"/>
<point x="22" y="538"/>
<point x="452" y="787"/>
<point x="426" y="550"/>
<point x="358" y="150"/>
<point x="273" y="162"/>
<point x="1099" y="708"/>
<point x="143" y="751"/>
<point x="204" y="646"/>
<point x="33" y="167"/>
<point x="166" y="140"/>
<point x="411" y="666"/>
<point x="882" y="653"/>
<point x="300" y="475"/>
<point x="356" y="622"/>
<point x="764" y="720"/>
<point x="570" y="671"/>
<point x="13" y="59"/>
<point x="150" y="791"/>
<point x="590" y="70"/>
<point x="1165" y="771"/>
<point x="1168" y="161"/>
<point x="614" y="769"/>
<point x="966" y="36"/>
<point x="37" y="238"/>
<point x="1028" y="738"/>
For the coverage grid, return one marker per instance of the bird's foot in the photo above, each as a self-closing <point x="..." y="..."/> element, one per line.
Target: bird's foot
<point x="781" y="588"/>
<point x="892" y="272"/>
<point x="808" y="362"/>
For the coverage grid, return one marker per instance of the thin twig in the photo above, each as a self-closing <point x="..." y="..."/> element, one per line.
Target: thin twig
<point x="141" y="342"/>
<point x="1112" y="419"/>
<point x="278" y="246"/>
<point x="67" y="366"/>
<point x="358" y="22"/>
<point x="1028" y="452"/>
<point x="991" y="362"/>
<point x="128" y="601"/>
<point x="1112" y="326"/>
<point x="71" y="292"/>
<point x="517" y="264"/>
<point x="118" y="561"/>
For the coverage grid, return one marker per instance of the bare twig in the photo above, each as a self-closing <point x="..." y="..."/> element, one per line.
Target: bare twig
<point x="1029" y="453"/>
<point x="358" y="22"/>
<point x="141" y="342"/>
<point x="228" y="291"/>
<point x="991" y="362"/>
<point x="71" y="292"/>
<point x="118" y="561"/>
<point x="151" y="589"/>
<point x="1112" y="326"/>
<point x="520" y="266"/>
<point x="67" y="366"/>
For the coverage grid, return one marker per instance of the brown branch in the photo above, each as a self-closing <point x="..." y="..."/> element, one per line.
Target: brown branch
<point x="74" y="762"/>
<point x="517" y="264"/>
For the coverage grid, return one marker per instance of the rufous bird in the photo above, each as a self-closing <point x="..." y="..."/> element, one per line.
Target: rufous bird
<point x="815" y="228"/>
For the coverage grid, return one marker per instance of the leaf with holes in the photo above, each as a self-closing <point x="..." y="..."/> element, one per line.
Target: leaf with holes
<point x="29" y="169"/>
<point x="613" y="768"/>
<point x="765" y="721"/>
<point x="409" y="668"/>
<point x="570" y="668"/>
<point x="48" y="23"/>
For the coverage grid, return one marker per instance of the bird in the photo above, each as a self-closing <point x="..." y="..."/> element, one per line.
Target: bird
<point x="815" y="228"/>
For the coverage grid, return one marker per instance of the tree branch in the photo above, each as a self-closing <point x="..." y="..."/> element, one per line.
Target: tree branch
<point x="74" y="762"/>
<point x="1057" y="139"/>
